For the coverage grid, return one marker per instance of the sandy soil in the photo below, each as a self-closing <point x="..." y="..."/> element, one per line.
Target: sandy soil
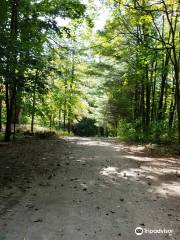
<point x="86" y="189"/>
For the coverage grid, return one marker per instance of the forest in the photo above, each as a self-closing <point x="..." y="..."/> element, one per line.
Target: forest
<point x="89" y="119"/>
<point x="106" y="68"/>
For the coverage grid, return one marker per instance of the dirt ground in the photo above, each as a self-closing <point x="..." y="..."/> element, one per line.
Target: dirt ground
<point x="87" y="189"/>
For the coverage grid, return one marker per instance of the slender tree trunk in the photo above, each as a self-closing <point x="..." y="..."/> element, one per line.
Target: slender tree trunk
<point x="69" y="125"/>
<point x="65" y="106"/>
<point x="33" y="106"/>
<point x="11" y="68"/>
<point x="0" y="114"/>
<point x="148" y="95"/>
<point x="53" y="120"/>
<point x="162" y="88"/>
<point x="8" y="120"/>
<point x="165" y="101"/>
<point x="70" y="97"/>
<point x="172" y="109"/>
<point x="142" y="108"/>
<point x="177" y="99"/>
<point x="153" y="92"/>
<point x="136" y="102"/>
<point x="50" y="122"/>
<point x="59" y="120"/>
<point x="9" y="111"/>
<point x="15" y="109"/>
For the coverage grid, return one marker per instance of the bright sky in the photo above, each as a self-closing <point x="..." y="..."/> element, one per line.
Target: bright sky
<point x="102" y="15"/>
<point x="101" y="19"/>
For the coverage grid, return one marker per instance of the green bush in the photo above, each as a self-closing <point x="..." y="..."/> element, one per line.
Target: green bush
<point x="158" y="133"/>
<point x="126" y="131"/>
<point x="86" y="127"/>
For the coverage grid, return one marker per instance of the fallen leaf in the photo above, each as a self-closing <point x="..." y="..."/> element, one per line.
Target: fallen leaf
<point x="38" y="220"/>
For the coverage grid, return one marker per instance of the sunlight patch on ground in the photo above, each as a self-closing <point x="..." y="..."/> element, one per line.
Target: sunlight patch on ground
<point x="156" y="161"/>
<point x="137" y="148"/>
<point x="121" y="147"/>
<point x="108" y="171"/>
<point x="94" y="143"/>
<point x="138" y="158"/>
<point x="131" y="173"/>
<point x="87" y="141"/>
<point x="118" y="148"/>
<point x="167" y="189"/>
<point x="114" y="171"/>
<point x="158" y="174"/>
<point x="162" y="181"/>
<point x="159" y="171"/>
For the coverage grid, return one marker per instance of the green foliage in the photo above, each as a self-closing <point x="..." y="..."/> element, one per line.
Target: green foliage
<point x="27" y="29"/>
<point x="127" y="131"/>
<point x="86" y="127"/>
<point x="139" y="72"/>
<point x="123" y="79"/>
<point x="157" y="134"/>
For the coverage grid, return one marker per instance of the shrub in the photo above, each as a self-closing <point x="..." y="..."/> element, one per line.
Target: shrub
<point x="86" y="127"/>
<point x="126" y="131"/>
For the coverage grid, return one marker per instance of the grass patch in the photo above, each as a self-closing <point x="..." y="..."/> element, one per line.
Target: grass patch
<point x="24" y="131"/>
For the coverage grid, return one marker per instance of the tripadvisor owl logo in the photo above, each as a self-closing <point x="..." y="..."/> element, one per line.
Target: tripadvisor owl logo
<point x="139" y="231"/>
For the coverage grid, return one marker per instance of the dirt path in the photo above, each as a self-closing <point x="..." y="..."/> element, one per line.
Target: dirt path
<point x="93" y="189"/>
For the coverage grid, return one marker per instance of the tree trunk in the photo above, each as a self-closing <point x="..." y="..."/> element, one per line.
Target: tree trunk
<point x="10" y="85"/>
<point x="0" y="114"/>
<point x="148" y="95"/>
<point x="65" y="104"/>
<point x="142" y="108"/>
<point x="171" y="114"/>
<point x="70" y="94"/>
<point x="162" y="89"/>
<point x="15" y="108"/>
<point x="177" y="99"/>
<point x="33" y="107"/>
<point x="50" y="122"/>
<point x="8" y="120"/>
<point x="59" y="120"/>
<point x="136" y="102"/>
<point x="153" y="92"/>
<point x="9" y="111"/>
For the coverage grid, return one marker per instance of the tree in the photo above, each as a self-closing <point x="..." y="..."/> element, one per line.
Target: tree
<point x="26" y="27"/>
<point x="141" y="37"/>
